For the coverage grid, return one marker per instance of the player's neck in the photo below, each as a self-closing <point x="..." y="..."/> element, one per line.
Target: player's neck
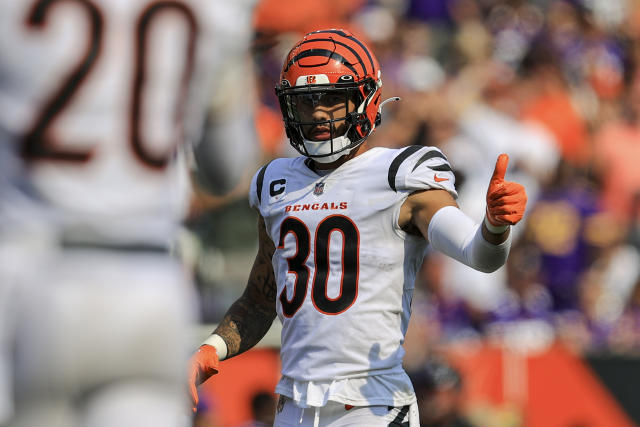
<point x="342" y="160"/>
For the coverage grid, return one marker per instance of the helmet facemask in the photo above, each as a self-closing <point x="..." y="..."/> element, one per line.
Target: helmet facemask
<point x="346" y="126"/>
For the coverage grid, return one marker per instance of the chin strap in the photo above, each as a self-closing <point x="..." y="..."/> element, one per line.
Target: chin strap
<point x="314" y="149"/>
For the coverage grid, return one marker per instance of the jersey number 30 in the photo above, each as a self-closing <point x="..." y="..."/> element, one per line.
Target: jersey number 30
<point x="297" y="264"/>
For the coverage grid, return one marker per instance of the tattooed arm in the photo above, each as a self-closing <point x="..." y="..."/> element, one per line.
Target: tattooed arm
<point x="251" y="316"/>
<point x="245" y="323"/>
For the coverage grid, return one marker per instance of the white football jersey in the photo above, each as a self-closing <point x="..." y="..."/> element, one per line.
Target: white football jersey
<point x="345" y="270"/>
<point x="96" y="95"/>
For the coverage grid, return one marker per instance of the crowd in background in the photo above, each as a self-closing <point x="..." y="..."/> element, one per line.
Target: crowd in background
<point x="553" y="83"/>
<point x="556" y="85"/>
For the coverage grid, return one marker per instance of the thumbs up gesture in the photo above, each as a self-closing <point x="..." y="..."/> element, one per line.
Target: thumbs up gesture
<point x="506" y="200"/>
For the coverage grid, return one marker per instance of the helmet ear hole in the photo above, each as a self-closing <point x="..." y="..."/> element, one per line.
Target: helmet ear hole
<point x="366" y="127"/>
<point x="378" y="119"/>
<point x="369" y="87"/>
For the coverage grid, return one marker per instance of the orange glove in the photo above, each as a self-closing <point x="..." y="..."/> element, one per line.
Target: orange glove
<point x="203" y="364"/>
<point x="506" y="201"/>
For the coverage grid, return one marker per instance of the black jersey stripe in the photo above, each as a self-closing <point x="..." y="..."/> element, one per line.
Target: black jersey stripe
<point x="429" y="155"/>
<point x="399" y="419"/>
<point x="352" y="50"/>
<point x="321" y="52"/>
<point x="395" y="165"/>
<point x="309" y="163"/>
<point x="260" y="181"/>
<point x="442" y="168"/>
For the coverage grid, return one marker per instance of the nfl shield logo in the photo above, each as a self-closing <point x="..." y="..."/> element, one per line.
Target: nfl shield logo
<point x="311" y="80"/>
<point x="319" y="188"/>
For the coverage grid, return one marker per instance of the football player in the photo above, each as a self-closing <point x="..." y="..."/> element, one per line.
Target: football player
<point x="96" y="96"/>
<point x="342" y="231"/>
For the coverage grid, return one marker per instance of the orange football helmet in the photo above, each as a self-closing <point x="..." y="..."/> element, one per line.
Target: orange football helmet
<point x="325" y="67"/>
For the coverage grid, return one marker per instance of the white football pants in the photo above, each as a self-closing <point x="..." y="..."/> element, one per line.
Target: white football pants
<point x="334" y="414"/>
<point x="94" y="337"/>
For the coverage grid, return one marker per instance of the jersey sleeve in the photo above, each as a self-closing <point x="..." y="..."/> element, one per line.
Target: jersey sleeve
<point x="255" y="190"/>
<point x="421" y="168"/>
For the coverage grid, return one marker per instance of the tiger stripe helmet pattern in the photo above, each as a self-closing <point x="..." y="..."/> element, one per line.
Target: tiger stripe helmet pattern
<point x="331" y="61"/>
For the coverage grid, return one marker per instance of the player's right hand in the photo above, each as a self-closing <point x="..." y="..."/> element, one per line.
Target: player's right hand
<point x="203" y="364"/>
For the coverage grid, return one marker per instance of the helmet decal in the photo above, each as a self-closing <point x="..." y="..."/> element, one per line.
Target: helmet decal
<point x="350" y="37"/>
<point x="322" y="53"/>
<point x="312" y="79"/>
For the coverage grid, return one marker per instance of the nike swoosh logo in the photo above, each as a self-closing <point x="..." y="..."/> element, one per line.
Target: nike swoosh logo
<point x="436" y="178"/>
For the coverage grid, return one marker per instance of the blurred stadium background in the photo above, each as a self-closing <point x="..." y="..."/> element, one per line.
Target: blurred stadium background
<point x="552" y="339"/>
